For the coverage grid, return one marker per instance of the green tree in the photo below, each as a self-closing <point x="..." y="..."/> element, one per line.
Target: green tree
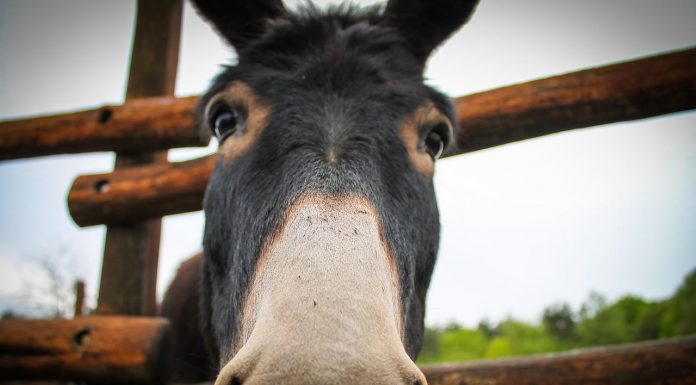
<point x="559" y="321"/>
<point x="685" y="306"/>
<point x="613" y="323"/>
<point x="592" y="305"/>
<point x="680" y="317"/>
<point x="452" y="326"/>
<point x="524" y="338"/>
<point x="487" y="329"/>
<point x="648" y="324"/>
<point x="498" y="347"/>
<point x="597" y="323"/>
<point x="430" y="351"/>
<point x="462" y="344"/>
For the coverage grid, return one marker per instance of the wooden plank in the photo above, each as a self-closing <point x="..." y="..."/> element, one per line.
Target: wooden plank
<point x="627" y="91"/>
<point x="138" y="125"/>
<point x="131" y="252"/>
<point x="87" y="349"/>
<point x="163" y="189"/>
<point x="667" y="362"/>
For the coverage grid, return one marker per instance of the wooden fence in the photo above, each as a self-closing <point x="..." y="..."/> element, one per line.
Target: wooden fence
<point x="144" y="186"/>
<point x="132" y="350"/>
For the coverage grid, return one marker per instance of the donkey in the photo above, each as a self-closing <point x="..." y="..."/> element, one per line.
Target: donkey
<point x="321" y="226"/>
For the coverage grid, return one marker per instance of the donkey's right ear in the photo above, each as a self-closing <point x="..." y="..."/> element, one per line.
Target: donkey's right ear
<point x="240" y="21"/>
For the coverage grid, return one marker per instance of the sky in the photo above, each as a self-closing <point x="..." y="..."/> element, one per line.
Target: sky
<point x="609" y="208"/>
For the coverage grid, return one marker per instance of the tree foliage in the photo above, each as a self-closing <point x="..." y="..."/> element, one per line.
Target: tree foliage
<point x="681" y="310"/>
<point x="597" y="322"/>
<point x="559" y="321"/>
<point x="612" y="324"/>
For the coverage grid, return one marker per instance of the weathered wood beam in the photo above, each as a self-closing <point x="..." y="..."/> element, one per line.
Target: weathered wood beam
<point x="627" y="91"/>
<point x="668" y="362"/>
<point x="126" y="350"/>
<point x="632" y="90"/>
<point x="620" y="92"/>
<point x="128" y="283"/>
<point x="139" y="193"/>
<point x="146" y="124"/>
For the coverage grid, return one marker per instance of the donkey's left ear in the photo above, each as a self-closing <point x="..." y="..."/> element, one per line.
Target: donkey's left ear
<point x="427" y="23"/>
<point x="240" y="21"/>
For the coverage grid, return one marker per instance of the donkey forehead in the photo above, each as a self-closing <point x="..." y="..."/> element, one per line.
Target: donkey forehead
<point x="339" y="50"/>
<point x="292" y="42"/>
<point x="326" y="83"/>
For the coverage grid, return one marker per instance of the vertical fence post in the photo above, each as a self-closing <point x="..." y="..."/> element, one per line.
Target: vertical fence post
<point x="131" y="252"/>
<point x="79" y="298"/>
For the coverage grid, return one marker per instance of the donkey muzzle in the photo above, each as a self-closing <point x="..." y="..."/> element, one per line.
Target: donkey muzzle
<point x="324" y="306"/>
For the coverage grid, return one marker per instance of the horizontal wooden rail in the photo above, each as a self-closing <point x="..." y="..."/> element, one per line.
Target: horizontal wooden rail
<point x="626" y="91"/>
<point x="127" y="350"/>
<point x="668" y="362"/>
<point x="632" y="90"/>
<point x="159" y="190"/>
<point x="138" y="125"/>
<point x="620" y="92"/>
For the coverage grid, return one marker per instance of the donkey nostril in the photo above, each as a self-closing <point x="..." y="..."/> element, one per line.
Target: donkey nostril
<point x="414" y="376"/>
<point x="235" y="381"/>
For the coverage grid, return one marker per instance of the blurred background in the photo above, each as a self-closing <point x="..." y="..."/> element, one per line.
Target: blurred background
<point x="578" y="238"/>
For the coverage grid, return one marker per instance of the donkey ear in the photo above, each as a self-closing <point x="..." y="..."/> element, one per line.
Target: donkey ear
<point x="240" y="21"/>
<point x="427" y="23"/>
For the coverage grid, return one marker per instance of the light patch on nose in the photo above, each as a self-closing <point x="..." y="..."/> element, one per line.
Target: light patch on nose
<point x="240" y="96"/>
<point x="325" y="300"/>
<point x="413" y="129"/>
<point x="337" y="244"/>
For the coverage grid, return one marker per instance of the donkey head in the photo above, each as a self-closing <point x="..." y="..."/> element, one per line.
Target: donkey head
<point x="321" y="220"/>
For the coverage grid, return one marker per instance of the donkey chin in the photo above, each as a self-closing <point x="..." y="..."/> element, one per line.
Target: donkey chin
<point x="326" y="284"/>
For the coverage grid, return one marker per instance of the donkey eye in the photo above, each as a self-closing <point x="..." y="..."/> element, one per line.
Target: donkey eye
<point x="223" y="122"/>
<point x="436" y="141"/>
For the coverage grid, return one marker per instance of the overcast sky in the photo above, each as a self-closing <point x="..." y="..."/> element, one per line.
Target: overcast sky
<point x="610" y="209"/>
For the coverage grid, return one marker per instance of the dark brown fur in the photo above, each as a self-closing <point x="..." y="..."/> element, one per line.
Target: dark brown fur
<point x="189" y="356"/>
